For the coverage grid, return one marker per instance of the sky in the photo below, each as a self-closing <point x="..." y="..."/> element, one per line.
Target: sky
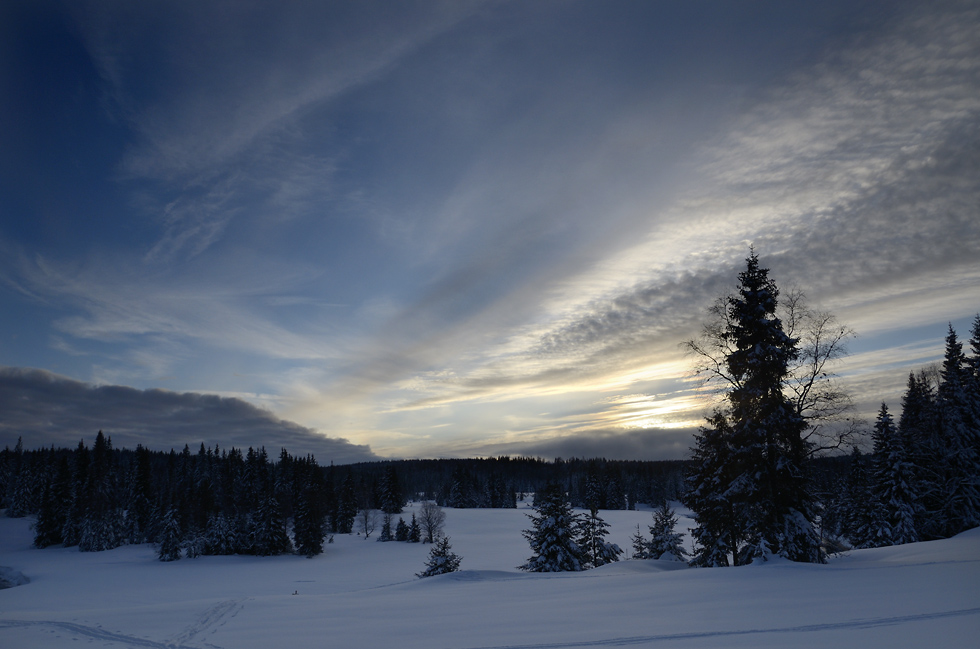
<point x="436" y="229"/>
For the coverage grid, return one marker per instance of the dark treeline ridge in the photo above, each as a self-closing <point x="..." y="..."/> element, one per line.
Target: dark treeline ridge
<point x="216" y="501"/>
<point x="229" y="501"/>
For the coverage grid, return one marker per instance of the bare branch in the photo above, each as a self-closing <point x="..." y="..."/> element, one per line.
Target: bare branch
<point x="811" y="383"/>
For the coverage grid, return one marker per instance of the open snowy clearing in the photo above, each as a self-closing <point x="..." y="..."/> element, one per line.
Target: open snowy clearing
<point x="365" y="594"/>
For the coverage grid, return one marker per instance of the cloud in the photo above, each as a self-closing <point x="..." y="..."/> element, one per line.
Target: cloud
<point x="387" y="218"/>
<point x="48" y="409"/>
<point x="123" y="302"/>
<point x="225" y="113"/>
<point x="855" y="179"/>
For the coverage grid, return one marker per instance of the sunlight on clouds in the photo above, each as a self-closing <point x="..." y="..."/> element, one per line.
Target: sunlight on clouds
<point x="528" y="272"/>
<point x="939" y="296"/>
<point x="801" y="173"/>
<point x="656" y="411"/>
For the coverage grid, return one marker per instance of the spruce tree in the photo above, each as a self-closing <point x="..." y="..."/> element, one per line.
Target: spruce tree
<point x="665" y="542"/>
<point x="553" y="534"/>
<point x="598" y="551"/>
<point x="220" y="537"/>
<point x="893" y="483"/>
<point x="170" y="543"/>
<point x="918" y="430"/>
<point x="54" y="508"/>
<point x="140" y="511"/>
<point x="401" y="530"/>
<point x="18" y="489"/>
<point x="102" y="528"/>
<point x="973" y="367"/>
<point x="770" y="491"/>
<point x="615" y="497"/>
<point x="269" y="530"/>
<point x="310" y="517"/>
<point x="460" y="490"/>
<point x="391" y="499"/>
<point x="718" y="532"/>
<point x="862" y="513"/>
<point x="973" y="381"/>
<point x="385" y="535"/>
<point x="640" y="545"/>
<point x="75" y="517"/>
<point x="959" y="479"/>
<point x="594" y="496"/>
<point x="414" y="531"/>
<point x="442" y="559"/>
<point x="347" y="507"/>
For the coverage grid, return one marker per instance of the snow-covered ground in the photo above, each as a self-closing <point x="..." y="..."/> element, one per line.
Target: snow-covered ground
<point x="364" y="594"/>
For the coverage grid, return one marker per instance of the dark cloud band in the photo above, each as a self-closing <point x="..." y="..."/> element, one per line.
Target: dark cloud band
<point x="46" y="409"/>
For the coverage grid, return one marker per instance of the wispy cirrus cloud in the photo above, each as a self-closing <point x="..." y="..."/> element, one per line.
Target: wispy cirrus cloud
<point x="224" y="123"/>
<point x="111" y="305"/>
<point x="851" y="178"/>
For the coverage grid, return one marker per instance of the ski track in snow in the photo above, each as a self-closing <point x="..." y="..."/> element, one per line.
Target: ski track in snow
<point x="869" y="623"/>
<point x="220" y="613"/>
<point x="214" y="616"/>
<point x="92" y="632"/>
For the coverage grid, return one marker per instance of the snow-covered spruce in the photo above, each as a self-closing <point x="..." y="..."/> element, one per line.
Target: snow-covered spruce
<point x="665" y="542"/>
<point x="763" y="483"/>
<point x="640" y="545"/>
<point x="553" y="534"/>
<point x="593" y="540"/>
<point x="893" y="486"/>
<point x="170" y="543"/>
<point x="441" y="559"/>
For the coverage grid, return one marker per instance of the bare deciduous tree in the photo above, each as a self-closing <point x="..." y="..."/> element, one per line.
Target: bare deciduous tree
<point x="811" y="385"/>
<point x="367" y="521"/>
<point x="431" y="519"/>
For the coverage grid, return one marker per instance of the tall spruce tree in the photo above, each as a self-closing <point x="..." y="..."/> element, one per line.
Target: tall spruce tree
<point x="347" y="507"/>
<point x="860" y="513"/>
<point x="553" y="534"/>
<point x="385" y="535"/>
<point x="140" y="511"/>
<point x="26" y="482"/>
<point x="171" y="538"/>
<point x="102" y="528"/>
<point x="268" y="529"/>
<point x="414" y="531"/>
<point x="893" y="483"/>
<point x="773" y="509"/>
<point x="594" y="530"/>
<point x="75" y="516"/>
<point x="919" y="433"/>
<point x="54" y="507"/>
<point x="973" y="377"/>
<point x="959" y="479"/>
<point x="390" y="496"/>
<point x="718" y="533"/>
<point x="310" y="515"/>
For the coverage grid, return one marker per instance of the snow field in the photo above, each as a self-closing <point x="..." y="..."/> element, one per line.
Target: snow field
<point x="360" y="593"/>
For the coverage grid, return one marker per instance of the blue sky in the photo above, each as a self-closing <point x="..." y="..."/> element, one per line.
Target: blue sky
<point x="452" y="228"/>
